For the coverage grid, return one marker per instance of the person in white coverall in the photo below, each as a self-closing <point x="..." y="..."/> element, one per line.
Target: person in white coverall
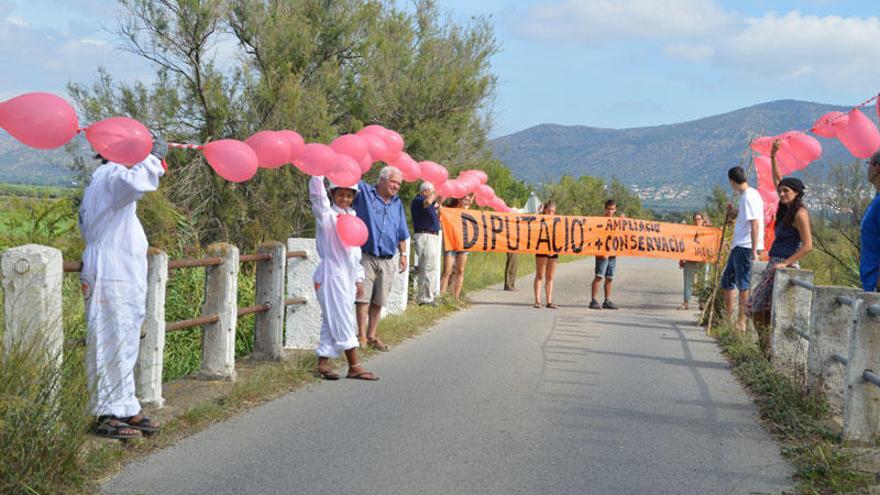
<point x="338" y="279"/>
<point x="114" y="280"/>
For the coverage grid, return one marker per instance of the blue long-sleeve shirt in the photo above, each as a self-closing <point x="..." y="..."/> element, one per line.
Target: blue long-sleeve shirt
<point x="869" y="263"/>
<point x="386" y="222"/>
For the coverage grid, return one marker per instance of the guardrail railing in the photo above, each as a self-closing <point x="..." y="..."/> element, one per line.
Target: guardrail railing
<point x="832" y="335"/>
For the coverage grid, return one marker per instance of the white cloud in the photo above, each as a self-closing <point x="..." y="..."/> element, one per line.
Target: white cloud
<point x="839" y="51"/>
<point x="690" y="52"/>
<point x="17" y="21"/>
<point x="832" y="51"/>
<point x="601" y="21"/>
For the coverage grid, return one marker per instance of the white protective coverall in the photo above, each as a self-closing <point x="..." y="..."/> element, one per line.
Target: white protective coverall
<point x="114" y="281"/>
<point x="338" y="272"/>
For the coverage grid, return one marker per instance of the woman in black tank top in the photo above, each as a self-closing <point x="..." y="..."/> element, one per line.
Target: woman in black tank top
<point x="792" y="241"/>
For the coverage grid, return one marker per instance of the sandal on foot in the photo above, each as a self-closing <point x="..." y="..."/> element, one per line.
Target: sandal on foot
<point x="326" y="374"/>
<point x="683" y="307"/>
<point x="359" y="374"/>
<point x="377" y="345"/>
<point x="552" y="306"/>
<point x="537" y="306"/>
<point x="141" y="422"/>
<point x="112" y="427"/>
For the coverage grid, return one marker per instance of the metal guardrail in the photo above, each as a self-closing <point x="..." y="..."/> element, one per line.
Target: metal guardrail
<point x="801" y="283"/>
<point x="871" y="377"/>
<point x="846" y="300"/>
<point x="840" y="359"/>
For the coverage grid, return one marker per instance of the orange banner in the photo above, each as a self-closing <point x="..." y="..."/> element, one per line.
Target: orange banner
<point x="474" y="230"/>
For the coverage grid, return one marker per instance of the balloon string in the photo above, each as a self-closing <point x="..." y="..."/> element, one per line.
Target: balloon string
<point x="186" y="146"/>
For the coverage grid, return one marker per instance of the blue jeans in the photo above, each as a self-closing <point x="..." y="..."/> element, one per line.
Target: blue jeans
<point x="605" y="266"/>
<point x="737" y="274"/>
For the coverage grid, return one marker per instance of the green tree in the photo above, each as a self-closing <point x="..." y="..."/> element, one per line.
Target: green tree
<point x="320" y="67"/>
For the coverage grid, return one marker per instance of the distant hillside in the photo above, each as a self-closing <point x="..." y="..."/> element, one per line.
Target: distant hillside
<point x="22" y="165"/>
<point x="677" y="162"/>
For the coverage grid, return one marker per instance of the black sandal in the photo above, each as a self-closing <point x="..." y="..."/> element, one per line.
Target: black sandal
<point x="111" y="427"/>
<point x="143" y="424"/>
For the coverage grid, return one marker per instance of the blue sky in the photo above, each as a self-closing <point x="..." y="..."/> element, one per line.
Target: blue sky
<point x="605" y="63"/>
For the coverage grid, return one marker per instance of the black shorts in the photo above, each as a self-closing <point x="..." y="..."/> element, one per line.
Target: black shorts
<point x="548" y="256"/>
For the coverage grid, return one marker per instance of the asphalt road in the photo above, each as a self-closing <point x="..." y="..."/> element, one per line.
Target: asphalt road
<point x="504" y="398"/>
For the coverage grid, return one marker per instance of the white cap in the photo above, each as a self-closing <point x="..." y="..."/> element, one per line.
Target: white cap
<point x="333" y="186"/>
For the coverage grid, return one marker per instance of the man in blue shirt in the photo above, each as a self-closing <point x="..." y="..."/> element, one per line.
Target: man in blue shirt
<point x="382" y="211"/>
<point x="869" y="263"/>
<point x="426" y="241"/>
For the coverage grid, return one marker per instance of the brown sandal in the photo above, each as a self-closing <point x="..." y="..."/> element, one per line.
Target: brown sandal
<point x="537" y="306"/>
<point x="552" y="306"/>
<point x="326" y="374"/>
<point x="355" y="373"/>
<point x="377" y="345"/>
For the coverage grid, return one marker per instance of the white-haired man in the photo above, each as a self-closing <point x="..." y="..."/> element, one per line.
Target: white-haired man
<point x="426" y="239"/>
<point x="382" y="211"/>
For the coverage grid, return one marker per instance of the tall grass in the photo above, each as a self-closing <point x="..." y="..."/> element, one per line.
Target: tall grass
<point x="43" y="421"/>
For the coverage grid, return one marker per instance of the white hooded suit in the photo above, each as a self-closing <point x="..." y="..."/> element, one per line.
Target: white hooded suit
<point x="339" y="270"/>
<point x="114" y="280"/>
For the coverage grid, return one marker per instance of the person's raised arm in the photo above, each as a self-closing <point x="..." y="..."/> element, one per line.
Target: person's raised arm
<point x="777" y="177"/>
<point x="127" y="185"/>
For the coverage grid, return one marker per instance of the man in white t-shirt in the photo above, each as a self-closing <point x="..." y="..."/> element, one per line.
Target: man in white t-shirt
<point x="747" y="244"/>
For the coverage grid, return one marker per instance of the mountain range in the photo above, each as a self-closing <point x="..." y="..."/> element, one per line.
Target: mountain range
<point x="677" y="163"/>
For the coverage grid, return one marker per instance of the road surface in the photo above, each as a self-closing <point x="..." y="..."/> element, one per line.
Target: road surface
<point x="503" y="398"/>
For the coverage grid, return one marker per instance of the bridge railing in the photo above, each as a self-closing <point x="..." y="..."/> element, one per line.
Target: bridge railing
<point x="32" y="278"/>
<point x="831" y="335"/>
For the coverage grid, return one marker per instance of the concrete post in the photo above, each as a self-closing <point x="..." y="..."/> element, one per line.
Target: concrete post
<point x="830" y="324"/>
<point x="269" y="326"/>
<point x="861" y="414"/>
<point x="221" y="299"/>
<point x="148" y="369"/>
<point x="32" y="278"/>
<point x="303" y="320"/>
<point x="790" y="310"/>
<point x="399" y="295"/>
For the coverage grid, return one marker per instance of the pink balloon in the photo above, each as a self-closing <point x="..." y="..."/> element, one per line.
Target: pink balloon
<point x="787" y="162"/>
<point x="469" y="182"/>
<point x="497" y="204"/>
<point x="352" y="230"/>
<point x="272" y="148"/>
<point x="296" y="143"/>
<point x="481" y="176"/>
<point x="232" y="159"/>
<point x="345" y="172"/>
<point x="316" y="159"/>
<point x="373" y="129"/>
<point x="394" y="142"/>
<point x="120" y="139"/>
<point x="434" y="173"/>
<point x="805" y="148"/>
<point x="828" y="124"/>
<point x="351" y="145"/>
<point x="860" y="136"/>
<point x="407" y="166"/>
<point x="375" y="146"/>
<point x="39" y="120"/>
<point x="762" y="145"/>
<point x="484" y="193"/>
<point x="366" y="163"/>
<point x="455" y="189"/>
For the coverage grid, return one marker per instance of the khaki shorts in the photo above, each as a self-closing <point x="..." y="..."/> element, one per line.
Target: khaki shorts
<point x="379" y="274"/>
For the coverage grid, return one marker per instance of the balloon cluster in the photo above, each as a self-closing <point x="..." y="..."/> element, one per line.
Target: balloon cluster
<point x="46" y="121"/>
<point x="797" y="149"/>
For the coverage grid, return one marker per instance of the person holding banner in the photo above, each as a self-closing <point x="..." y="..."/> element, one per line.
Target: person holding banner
<point x="690" y="269"/>
<point x="381" y="210"/>
<point x="454" y="262"/>
<point x="605" y="267"/>
<point x="545" y="266"/>
<point x="746" y="246"/>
